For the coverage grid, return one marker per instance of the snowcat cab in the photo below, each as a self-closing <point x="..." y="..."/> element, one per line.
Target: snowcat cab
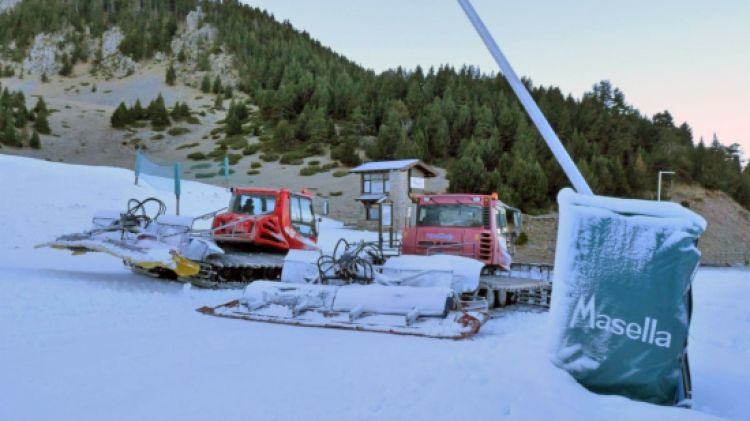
<point x="275" y="220"/>
<point x="470" y="225"/>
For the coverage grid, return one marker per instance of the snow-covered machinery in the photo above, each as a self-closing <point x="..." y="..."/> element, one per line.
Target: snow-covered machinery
<point x="245" y="243"/>
<point x="143" y="237"/>
<point x="356" y="289"/>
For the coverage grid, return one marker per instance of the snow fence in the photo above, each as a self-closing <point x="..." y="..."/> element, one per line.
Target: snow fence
<point x="161" y="176"/>
<point x="621" y="303"/>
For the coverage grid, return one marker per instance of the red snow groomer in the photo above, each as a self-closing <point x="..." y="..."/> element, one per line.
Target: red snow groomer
<point x="265" y="219"/>
<point x="259" y="227"/>
<point x="470" y="225"/>
<point x="246" y="242"/>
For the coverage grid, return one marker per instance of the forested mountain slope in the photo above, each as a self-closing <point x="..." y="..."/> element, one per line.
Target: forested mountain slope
<point x="316" y="101"/>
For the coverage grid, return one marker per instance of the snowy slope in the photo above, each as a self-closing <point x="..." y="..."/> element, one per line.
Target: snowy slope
<point x="84" y="339"/>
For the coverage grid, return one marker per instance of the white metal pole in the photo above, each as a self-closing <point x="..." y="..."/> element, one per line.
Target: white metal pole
<point x="137" y="164"/>
<point x="553" y="142"/>
<point x="658" y="188"/>
<point x="658" y="184"/>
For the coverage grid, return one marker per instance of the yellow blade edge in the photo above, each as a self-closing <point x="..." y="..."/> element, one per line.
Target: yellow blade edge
<point x="185" y="267"/>
<point x="182" y="265"/>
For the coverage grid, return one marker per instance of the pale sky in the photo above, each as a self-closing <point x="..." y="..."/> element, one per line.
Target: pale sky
<point x="691" y="57"/>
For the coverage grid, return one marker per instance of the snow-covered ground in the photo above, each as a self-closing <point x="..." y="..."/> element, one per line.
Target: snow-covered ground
<point x="81" y="338"/>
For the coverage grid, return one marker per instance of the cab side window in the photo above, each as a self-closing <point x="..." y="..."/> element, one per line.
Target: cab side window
<point x="501" y="219"/>
<point x="303" y="218"/>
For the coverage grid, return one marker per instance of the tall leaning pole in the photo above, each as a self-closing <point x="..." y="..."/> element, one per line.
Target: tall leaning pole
<point x="553" y="142"/>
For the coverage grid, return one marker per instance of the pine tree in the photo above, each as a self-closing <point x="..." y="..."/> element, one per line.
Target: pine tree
<point x="529" y="183"/>
<point x="67" y="66"/>
<point x="21" y="116"/>
<point x="436" y="132"/>
<point x="321" y="97"/>
<point x="507" y="127"/>
<point x="204" y="63"/>
<point x="176" y="113"/>
<point x="410" y="148"/>
<point x="241" y="110"/>
<point x="603" y="182"/>
<point x="41" y="106"/>
<point x="490" y="153"/>
<point x="283" y="134"/>
<point x="171" y="75"/>
<point x="41" y="124"/>
<point x="121" y="117"/>
<point x="743" y="190"/>
<point x="137" y="112"/>
<point x="485" y="123"/>
<point x="233" y="123"/>
<point x="219" y="102"/>
<point x="158" y="113"/>
<point x="217" y="88"/>
<point x="180" y="111"/>
<point x="185" y="110"/>
<point x="34" y="142"/>
<point x="638" y="177"/>
<point x="206" y="85"/>
<point x="536" y="187"/>
<point x="346" y="151"/>
<point x="8" y="135"/>
<point x="467" y="174"/>
<point x="390" y="133"/>
<point x="358" y="121"/>
<point x="317" y="127"/>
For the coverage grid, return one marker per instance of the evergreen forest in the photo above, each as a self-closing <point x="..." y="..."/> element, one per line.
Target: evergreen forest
<point x="458" y="118"/>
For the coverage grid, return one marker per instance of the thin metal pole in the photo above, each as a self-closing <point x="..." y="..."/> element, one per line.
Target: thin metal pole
<point x="380" y="228"/>
<point x="658" y="188"/>
<point x="137" y="164"/>
<point x="553" y="142"/>
<point x="658" y="184"/>
<point x="226" y="171"/>
<point x="177" y="175"/>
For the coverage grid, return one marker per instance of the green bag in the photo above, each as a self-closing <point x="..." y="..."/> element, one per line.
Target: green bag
<point x="621" y="303"/>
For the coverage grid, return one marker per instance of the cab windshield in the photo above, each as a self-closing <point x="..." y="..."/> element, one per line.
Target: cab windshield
<point x="458" y="215"/>
<point x="254" y="204"/>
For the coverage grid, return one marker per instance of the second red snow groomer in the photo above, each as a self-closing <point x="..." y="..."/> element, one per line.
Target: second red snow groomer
<point x="472" y="225"/>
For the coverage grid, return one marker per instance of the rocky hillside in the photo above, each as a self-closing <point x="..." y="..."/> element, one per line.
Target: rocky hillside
<point x="6" y="4"/>
<point x="726" y="241"/>
<point x="312" y="113"/>
<point x="314" y="102"/>
<point x="84" y="75"/>
<point x="727" y="238"/>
